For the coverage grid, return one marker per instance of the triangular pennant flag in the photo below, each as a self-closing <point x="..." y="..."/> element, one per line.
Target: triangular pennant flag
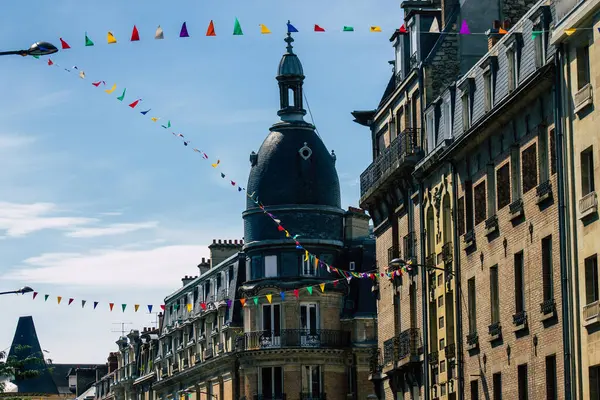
<point x="269" y="297"/>
<point x="305" y="255"/>
<point x="149" y="308"/>
<point x="50" y="62"/>
<point x="229" y="303"/>
<point x="121" y="97"/>
<point x="237" y="28"/>
<point x="348" y="29"/>
<point x="135" y="35"/>
<point x="239" y="188"/>
<point x="123" y="306"/>
<point x="95" y="304"/>
<point x="291" y="28"/>
<point x="135" y="103"/>
<point x="255" y="300"/>
<point x="34" y="295"/>
<point x="184" y="32"/>
<point x="59" y="298"/>
<point x="176" y="306"/>
<point x="70" y="301"/>
<point x="112" y="89"/>
<point x="162" y="307"/>
<point x="535" y="34"/>
<point x="296" y="293"/>
<point x="111" y="305"/>
<point x="46" y="297"/>
<point x="154" y="119"/>
<point x="203" y="305"/>
<point x="88" y="41"/>
<point x="570" y="31"/>
<point x="64" y="44"/>
<point x="435" y="27"/>
<point x="168" y="125"/>
<point x="215" y="164"/>
<point x="136" y="307"/>
<point x="110" y="38"/>
<point x="159" y="33"/>
<point x="318" y="28"/>
<point x="464" y="28"/>
<point x="83" y="303"/>
<point x="211" y="29"/>
<point x="322" y="285"/>
<point x="335" y="283"/>
<point x="502" y="31"/>
<point x="82" y="75"/>
<point x="309" y="289"/>
<point x="280" y="228"/>
<point x="375" y="29"/>
<point x="98" y="83"/>
<point x="264" y="30"/>
<point x="402" y="29"/>
<point x="222" y="175"/>
<point x="145" y="112"/>
<point x="243" y="302"/>
<point x="282" y="294"/>
<point x="189" y="307"/>
<point x="232" y="183"/>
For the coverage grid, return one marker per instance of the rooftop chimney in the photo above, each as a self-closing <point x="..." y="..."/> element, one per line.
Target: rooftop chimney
<point x="223" y="249"/>
<point x="187" y="279"/>
<point x="204" y="266"/>
<point x="356" y="223"/>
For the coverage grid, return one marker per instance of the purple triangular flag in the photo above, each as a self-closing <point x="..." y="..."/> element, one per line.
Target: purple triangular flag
<point x="228" y="303"/>
<point x="184" y="32"/>
<point x="464" y="28"/>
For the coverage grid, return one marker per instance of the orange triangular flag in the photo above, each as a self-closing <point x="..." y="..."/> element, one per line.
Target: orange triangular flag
<point x="243" y="301"/>
<point x="59" y="298"/>
<point x="136" y="307"/>
<point x="502" y="31"/>
<point x="211" y="29"/>
<point x="111" y="305"/>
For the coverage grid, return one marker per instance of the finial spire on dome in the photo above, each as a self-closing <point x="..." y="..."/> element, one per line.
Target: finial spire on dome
<point x="289" y="40"/>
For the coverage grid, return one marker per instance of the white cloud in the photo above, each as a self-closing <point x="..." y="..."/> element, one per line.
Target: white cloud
<point x="113" y="229"/>
<point x="159" y="267"/>
<point x="10" y="142"/>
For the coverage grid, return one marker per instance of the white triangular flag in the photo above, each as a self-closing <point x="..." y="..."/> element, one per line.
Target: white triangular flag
<point x="159" y="33"/>
<point x="82" y="75"/>
<point x="435" y="27"/>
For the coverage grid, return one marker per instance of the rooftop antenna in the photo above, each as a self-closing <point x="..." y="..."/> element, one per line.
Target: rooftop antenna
<point x="122" y="330"/>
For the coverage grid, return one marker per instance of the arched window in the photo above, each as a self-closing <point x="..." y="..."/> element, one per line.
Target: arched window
<point x="291" y="97"/>
<point x="447" y="213"/>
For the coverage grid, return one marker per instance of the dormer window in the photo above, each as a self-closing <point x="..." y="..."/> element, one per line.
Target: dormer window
<point x="398" y="48"/>
<point x="541" y="29"/>
<point x="513" y="56"/>
<point x="489" y="81"/>
<point x="412" y="29"/>
<point x="466" y="101"/>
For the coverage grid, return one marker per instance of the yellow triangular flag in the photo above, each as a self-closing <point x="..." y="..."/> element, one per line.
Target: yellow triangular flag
<point x="112" y="89"/>
<point x="154" y="119"/>
<point x="570" y="31"/>
<point x="305" y="255"/>
<point x="435" y="27"/>
<point x="59" y="298"/>
<point x="111" y="38"/>
<point x="136" y="307"/>
<point x="189" y="307"/>
<point x="322" y="285"/>
<point x="375" y="29"/>
<point x="269" y="297"/>
<point x="263" y="29"/>
<point x="215" y="164"/>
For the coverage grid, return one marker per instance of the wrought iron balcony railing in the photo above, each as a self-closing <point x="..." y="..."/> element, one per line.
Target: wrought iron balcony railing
<point x="447" y="252"/>
<point x="516" y="207"/>
<point x="313" y="396"/>
<point x="406" y="144"/>
<point x="410" y="246"/>
<point x="281" y="396"/>
<point x="450" y="350"/>
<point x="548" y="306"/>
<point x="308" y="338"/>
<point x="520" y="318"/>
<point x="375" y="362"/>
<point x="472" y="339"/>
<point x="434" y="357"/>
<point x="543" y="189"/>
<point x="390" y="350"/>
<point x="409" y="343"/>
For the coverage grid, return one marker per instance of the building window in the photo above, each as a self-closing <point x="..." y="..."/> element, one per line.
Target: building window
<point x="448" y="119"/>
<point x="469" y="205"/>
<point x="587" y="171"/>
<point x="491" y="192"/>
<point x="515" y="173"/>
<point x="497" y="389"/>
<point x="309" y="317"/>
<point x="440" y="280"/>
<point x="522" y="382"/>
<point x="311" y="381"/>
<point x="441" y="322"/>
<point x="431" y="133"/>
<point x="380" y="144"/>
<point x="399" y="58"/>
<point x="539" y="43"/>
<point x="529" y="168"/>
<point x="271" y="323"/>
<point x="494" y="295"/>
<point x="474" y="390"/>
<point x="466" y="112"/>
<point x="271" y="382"/>
<point x="441" y="301"/>
<point x="442" y="366"/>
<point x="552" y="151"/>
<point x="513" y="70"/>
<point x="480" y="203"/>
<point x="594" y="382"/>
<point x="519" y="283"/>
<point x="460" y="225"/>
<point x="547" y="270"/>
<point x="543" y="155"/>
<point x="591" y="279"/>
<point x="399" y="118"/>
<point x="308" y="266"/>
<point x="412" y="28"/>
<point x="488" y="90"/>
<point x="256" y="270"/>
<point x="442" y="343"/>
<point x="472" y="305"/>
<point x="551" y="390"/>
<point x="583" y="66"/>
<point x="503" y="186"/>
<point x="270" y="266"/>
<point x="412" y="294"/>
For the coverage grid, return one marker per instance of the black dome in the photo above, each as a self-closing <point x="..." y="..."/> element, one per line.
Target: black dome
<point x="293" y="166"/>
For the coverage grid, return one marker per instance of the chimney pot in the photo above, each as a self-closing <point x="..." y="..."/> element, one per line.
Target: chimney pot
<point x="219" y="241"/>
<point x="229" y="241"/>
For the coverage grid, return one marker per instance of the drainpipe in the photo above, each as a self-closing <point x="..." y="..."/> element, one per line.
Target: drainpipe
<point x="424" y="300"/>
<point x="457" y="287"/>
<point x="562" y="224"/>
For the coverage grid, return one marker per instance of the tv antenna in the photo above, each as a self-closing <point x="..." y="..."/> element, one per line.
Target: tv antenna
<point x="122" y="330"/>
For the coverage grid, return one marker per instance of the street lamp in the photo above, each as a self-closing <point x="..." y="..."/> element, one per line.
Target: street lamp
<point x="36" y="49"/>
<point x="23" y="290"/>
<point x="399" y="262"/>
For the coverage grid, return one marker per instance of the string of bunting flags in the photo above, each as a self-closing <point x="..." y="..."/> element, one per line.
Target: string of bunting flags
<point x="159" y="33"/>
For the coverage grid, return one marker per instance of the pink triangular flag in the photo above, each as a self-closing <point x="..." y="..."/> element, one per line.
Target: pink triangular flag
<point x="464" y="28"/>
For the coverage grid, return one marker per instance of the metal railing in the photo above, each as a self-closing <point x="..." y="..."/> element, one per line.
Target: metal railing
<point x="544" y="188"/>
<point x="472" y="339"/>
<point x="450" y="350"/>
<point x="516" y="207"/>
<point x="390" y="348"/>
<point x="520" y="318"/>
<point x="548" y="306"/>
<point x="269" y="396"/>
<point x="375" y="362"/>
<point x="407" y="143"/>
<point x="309" y="338"/>
<point x="409" y="343"/>
<point x="447" y="252"/>
<point x="583" y="97"/>
<point x="591" y="310"/>
<point x="410" y="246"/>
<point x="588" y="203"/>
<point x="313" y="396"/>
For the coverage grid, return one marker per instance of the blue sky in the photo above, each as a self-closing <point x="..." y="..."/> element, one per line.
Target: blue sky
<point x="99" y="203"/>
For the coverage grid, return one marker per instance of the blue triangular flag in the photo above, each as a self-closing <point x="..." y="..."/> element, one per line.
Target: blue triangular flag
<point x="282" y="294"/>
<point x="150" y="308"/>
<point x="291" y="27"/>
<point x="145" y="112"/>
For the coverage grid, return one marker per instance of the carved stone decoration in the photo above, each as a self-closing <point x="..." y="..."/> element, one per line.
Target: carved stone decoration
<point x="305" y="152"/>
<point x="437" y="200"/>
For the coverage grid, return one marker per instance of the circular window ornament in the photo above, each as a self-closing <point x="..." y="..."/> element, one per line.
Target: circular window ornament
<point x="305" y="152"/>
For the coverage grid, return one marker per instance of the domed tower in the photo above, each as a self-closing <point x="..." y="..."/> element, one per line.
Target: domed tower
<point x="294" y="176"/>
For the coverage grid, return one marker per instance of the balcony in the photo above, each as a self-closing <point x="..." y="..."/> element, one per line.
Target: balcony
<point x="516" y="209"/>
<point x="491" y="225"/>
<point x="588" y="205"/>
<point x="447" y="252"/>
<point x="410" y="247"/>
<point x="495" y="331"/>
<point x="591" y="313"/>
<point x="583" y="98"/>
<point x="208" y="353"/>
<point x="472" y="341"/>
<point x="402" y="154"/>
<point x="548" y="307"/>
<point x="269" y="397"/>
<point x="469" y="239"/>
<point x="434" y="358"/>
<point x="544" y="191"/>
<point x="409" y="346"/>
<point x="313" y="396"/>
<point x="375" y="364"/>
<point x="390" y="347"/>
<point x="450" y="350"/>
<point x="305" y="338"/>
<point x="520" y="320"/>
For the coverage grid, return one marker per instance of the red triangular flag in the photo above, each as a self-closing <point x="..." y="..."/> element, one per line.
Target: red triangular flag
<point x="135" y="36"/>
<point x="162" y="307"/>
<point x="211" y="29"/>
<point x="50" y="62"/>
<point x="203" y="305"/>
<point x="296" y="293"/>
<point x="70" y="301"/>
<point x="318" y="28"/>
<point x="280" y="228"/>
<point x="111" y="305"/>
<point x="35" y="295"/>
<point x="335" y="283"/>
<point x="135" y="103"/>
<point x="64" y="44"/>
<point x="232" y="183"/>
<point x="402" y="29"/>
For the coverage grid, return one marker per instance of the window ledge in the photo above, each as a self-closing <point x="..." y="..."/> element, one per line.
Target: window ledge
<point x="548" y="309"/>
<point x="468" y="239"/>
<point x="588" y="205"/>
<point x="519" y="321"/>
<point x="495" y="331"/>
<point x="491" y="225"/>
<point x="583" y="98"/>
<point x="544" y="192"/>
<point x="516" y="209"/>
<point x="591" y="314"/>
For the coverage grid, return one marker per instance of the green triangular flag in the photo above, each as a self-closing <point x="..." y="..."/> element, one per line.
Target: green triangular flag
<point x="176" y="306"/>
<point x="88" y="41"/>
<point x="36" y="57"/>
<point x="348" y="29"/>
<point x="123" y="306"/>
<point x="121" y="97"/>
<point x="256" y="300"/>
<point x="46" y="297"/>
<point x="168" y="125"/>
<point x="535" y="34"/>
<point x="309" y="289"/>
<point x="237" y="28"/>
